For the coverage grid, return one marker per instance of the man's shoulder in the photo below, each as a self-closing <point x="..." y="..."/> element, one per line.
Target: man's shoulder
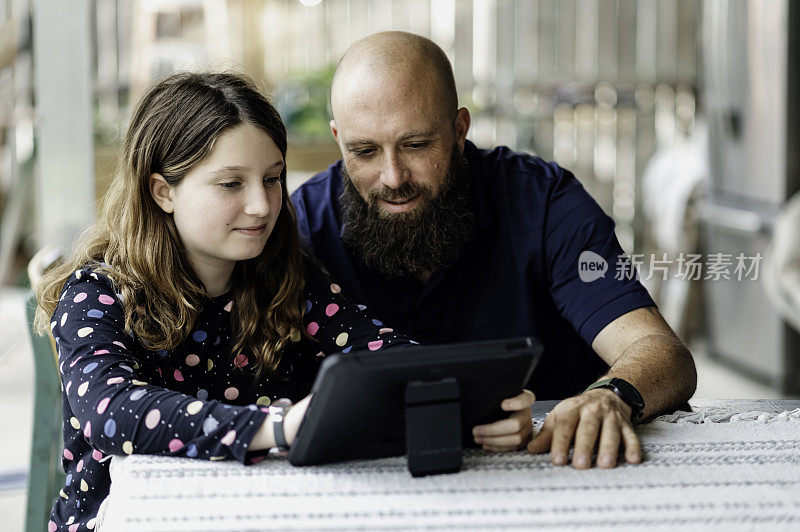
<point x="320" y="185"/>
<point x="316" y="203"/>
<point x="528" y="187"/>
<point x="501" y="164"/>
<point x="516" y="179"/>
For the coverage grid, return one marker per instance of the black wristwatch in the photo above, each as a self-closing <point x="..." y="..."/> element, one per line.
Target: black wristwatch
<point x="277" y="412"/>
<point x="625" y="390"/>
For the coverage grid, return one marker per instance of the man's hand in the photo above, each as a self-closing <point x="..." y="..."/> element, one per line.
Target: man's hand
<point x="512" y="433"/>
<point x="640" y="347"/>
<point x="594" y="418"/>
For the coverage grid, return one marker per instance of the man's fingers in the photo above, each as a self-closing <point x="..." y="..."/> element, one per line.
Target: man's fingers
<point x="519" y="402"/>
<point x="508" y="441"/>
<point x="503" y="429"/>
<point x="608" y="449"/>
<point x="563" y="432"/>
<point x="516" y="422"/>
<point x="633" y="449"/>
<point x="495" y="449"/>
<point x="513" y="431"/>
<point x="541" y="442"/>
<point x="586" y="436"/>
<point x="508" y="434"/>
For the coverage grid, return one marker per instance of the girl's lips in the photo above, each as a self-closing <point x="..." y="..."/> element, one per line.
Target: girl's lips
<point x="252" y="231"/>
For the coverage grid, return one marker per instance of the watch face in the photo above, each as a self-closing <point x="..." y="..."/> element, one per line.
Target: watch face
<point x="283" y="402"/>
<point x="279" y="407"/>
<point x="631" y="394"/>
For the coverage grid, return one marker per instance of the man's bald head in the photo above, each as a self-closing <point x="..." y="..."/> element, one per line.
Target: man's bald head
<point x="396" y="57"/>
<point x="396" y="120"/>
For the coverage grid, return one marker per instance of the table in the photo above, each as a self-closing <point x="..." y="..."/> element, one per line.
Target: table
<point x="726" y="465"/>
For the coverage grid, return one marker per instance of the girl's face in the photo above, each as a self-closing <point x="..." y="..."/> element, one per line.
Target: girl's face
<point x="226" y="206"/>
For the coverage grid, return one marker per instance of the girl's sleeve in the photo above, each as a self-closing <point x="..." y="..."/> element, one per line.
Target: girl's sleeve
<point x="340" y="325"/>
<point x="112" y="404"/>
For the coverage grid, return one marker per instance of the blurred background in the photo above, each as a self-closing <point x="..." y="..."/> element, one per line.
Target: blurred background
<point x="680" y="117"/>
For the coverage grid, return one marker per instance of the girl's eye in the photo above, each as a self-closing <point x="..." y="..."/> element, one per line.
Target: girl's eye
<point x="272" y="180"/>
<point x="230" y="184"/>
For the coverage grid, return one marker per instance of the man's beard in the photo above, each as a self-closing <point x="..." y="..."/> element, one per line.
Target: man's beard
<point x="413" y="243"/>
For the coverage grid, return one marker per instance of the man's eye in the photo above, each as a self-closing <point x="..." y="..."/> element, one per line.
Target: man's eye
<point x="417" y="145"/>
<point x="366" y="152"/>
<point x="230" y="184"/>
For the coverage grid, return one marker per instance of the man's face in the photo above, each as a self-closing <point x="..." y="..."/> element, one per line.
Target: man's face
<point x="420" y="240"/>
<point x="396" y="141"/>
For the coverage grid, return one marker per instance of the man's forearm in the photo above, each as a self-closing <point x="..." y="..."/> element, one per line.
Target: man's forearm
<point x="661" y="368"/>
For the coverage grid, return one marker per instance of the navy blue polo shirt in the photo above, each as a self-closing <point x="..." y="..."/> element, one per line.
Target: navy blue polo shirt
<point x="518" y="276"/>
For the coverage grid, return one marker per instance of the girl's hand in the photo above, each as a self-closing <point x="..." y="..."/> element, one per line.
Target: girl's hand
<point x="265" y="437"/>
<point x="512" y="433"/>
<point x="293" y="419"/>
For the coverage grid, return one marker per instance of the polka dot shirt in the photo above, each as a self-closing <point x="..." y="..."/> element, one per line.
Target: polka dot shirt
<point x="195" y="401"/>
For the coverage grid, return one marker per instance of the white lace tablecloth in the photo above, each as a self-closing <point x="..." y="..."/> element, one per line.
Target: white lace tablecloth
<point x="729" y="465"/>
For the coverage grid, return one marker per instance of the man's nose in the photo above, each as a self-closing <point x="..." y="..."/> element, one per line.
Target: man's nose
<point x="257" y="202"/>
<point x="394" y="172"/>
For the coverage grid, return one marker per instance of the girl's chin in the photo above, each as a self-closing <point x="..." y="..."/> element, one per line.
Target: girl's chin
<point x="252" y="254"/>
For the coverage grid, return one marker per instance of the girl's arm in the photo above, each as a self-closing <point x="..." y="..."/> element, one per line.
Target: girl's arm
<point x="111" y="403"/>
<point x="340" y="325"/>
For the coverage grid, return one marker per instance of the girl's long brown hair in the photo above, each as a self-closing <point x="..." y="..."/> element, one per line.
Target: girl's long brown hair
<point x="135" y="243"/>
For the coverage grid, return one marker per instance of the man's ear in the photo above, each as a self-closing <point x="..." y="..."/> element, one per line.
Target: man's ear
<point x="334" y="131"/>
<point x="462" y="127"/>
<point x="162" y="192"/>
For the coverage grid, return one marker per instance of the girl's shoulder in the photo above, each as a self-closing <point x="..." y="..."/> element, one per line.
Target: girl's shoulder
<point x="95" y="276"/>
<point x="87" y="301"/>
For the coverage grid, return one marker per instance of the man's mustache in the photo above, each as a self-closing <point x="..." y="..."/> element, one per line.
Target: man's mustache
<point x="403" y="192"/>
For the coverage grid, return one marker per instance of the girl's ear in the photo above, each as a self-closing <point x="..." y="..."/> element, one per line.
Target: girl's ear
<point x="162" y="192"/>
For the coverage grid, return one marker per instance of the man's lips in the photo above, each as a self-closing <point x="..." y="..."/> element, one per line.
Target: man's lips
<point x="402" y="205"/>
<point x="400" y="202"/>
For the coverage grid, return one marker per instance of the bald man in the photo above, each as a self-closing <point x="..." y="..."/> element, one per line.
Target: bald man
<point x="448" y="242"/>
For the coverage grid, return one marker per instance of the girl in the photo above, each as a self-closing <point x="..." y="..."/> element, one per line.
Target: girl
<point x="188" y="307"/>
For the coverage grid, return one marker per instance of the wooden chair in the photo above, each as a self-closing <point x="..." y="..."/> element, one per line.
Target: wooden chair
<point x="45" y="476"/>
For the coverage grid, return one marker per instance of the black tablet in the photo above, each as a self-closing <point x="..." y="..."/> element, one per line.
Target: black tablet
<point x="360" y="400"/>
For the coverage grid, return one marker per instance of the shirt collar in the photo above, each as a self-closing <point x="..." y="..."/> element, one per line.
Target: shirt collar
<point x="479" y="188"/>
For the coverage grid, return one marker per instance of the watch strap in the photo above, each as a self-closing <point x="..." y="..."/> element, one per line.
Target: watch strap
<point x="280" y="437"/>
<point x="277" y="411"/>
